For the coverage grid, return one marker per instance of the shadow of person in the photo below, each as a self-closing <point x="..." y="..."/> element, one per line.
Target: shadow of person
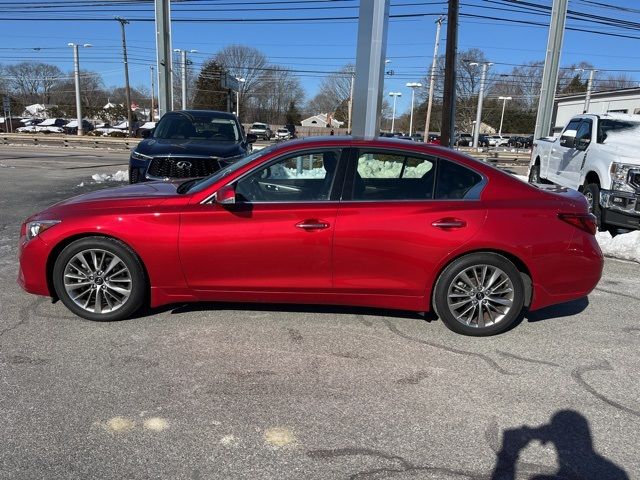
<point x="570" y="434"/>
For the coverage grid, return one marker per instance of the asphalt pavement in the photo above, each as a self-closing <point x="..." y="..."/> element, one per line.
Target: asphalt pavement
<point x="231" y="391"/>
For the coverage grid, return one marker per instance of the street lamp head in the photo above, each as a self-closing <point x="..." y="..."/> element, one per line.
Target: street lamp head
<point x="87" y="45"/>
<point x="71" y="44"/>
<point x="474" y="64"/>
<point x="504" y="98"/>
<point x="414" y="84"/>
<point x="240" y="79"/>
<point x="177" y="50"/>
<point x="193" y="51"/>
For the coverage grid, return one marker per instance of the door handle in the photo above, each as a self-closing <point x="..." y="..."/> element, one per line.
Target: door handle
<point x="449" y="223"/>
<point x="312" y="225"/>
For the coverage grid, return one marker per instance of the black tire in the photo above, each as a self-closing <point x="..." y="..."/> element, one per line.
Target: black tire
<point x="534" y="174"/>
<point x="449" y="274"/>
<point x="137" y="296"/>
<point x="592" y="192"/>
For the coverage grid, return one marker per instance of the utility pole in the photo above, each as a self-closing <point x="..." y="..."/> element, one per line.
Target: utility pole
<point x="351" y="77"/>
<point x="587" y="98"/>
<point x="153" y="91"/>
<point x="395" y="96"/>
<point x="476" y="131"/>
<point x="412" y="86"/>
<point x="76" y="75"/>
<point x="504" y="104"/>
<point x="449" y="93"/>
<point x="432" y="79"/>
<point x="163" y="49"/>
<point x="370" y="55"/>
<point x="551" y="66"/>
<point x="124" y="22"/>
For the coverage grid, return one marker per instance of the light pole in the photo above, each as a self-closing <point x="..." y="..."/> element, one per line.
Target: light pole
<point x="183" y="62"/>
<point x="504" y="104"/>
<point x="76" y="74"/>
<point x="587" y="98"/>
<point x="240" y="82"/>
<point x="395" y="96"/>
<point x="352" y="75"/>
<point x="153" y="89"/>
<point x="476" y="130"/>
<point x="412" y="86"/>
<point x="432" y="79"/>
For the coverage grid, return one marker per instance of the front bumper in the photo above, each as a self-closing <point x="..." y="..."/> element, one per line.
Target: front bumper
<point x="32" y="275"/>
<point x="621" y="209"/>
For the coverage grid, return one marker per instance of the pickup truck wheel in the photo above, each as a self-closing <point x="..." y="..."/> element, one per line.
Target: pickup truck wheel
<point x="592" y="192"/>
<point x="534" y="174"/>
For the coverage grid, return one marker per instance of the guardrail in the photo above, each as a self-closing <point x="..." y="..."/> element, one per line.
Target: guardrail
<point x="51" y="139"/>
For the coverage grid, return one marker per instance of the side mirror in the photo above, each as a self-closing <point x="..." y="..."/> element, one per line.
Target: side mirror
<point x="252" y="138"/>
<point x="567" y="141"/>
<point x="226" y="195"/>
<point x="147" y="133"/>
<point x="582" y="144"/>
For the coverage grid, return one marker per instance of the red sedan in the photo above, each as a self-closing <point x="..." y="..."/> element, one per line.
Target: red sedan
<point x="383" y="223"/>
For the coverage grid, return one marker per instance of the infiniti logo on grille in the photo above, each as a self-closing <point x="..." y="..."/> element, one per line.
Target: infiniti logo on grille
<point x="184" y="165"/>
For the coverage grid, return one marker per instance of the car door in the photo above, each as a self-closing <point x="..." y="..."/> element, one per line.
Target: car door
<point x="278" y="235"/>
<point x="405" y="213"/>
<point x="561" y="152"/>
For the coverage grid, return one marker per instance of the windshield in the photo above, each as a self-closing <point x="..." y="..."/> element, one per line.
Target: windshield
<point x="197" y="126"/>
<point x="258" y="125"/>
<point x="211" y="179"/>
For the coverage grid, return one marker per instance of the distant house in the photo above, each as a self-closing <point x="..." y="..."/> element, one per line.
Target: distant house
<point x="321" y="120"/>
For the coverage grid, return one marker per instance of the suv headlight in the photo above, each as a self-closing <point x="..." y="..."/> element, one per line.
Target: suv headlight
<point x="620" y="177"/>
<point x="35" y="228"/>
<point x="140" y="156"/>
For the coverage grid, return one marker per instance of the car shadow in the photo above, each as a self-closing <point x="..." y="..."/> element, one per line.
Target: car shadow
<point x="566" y="309"/>
<point x="570" y="434"/>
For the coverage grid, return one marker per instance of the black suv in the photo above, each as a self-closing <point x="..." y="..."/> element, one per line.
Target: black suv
<point x="189" y="144"/>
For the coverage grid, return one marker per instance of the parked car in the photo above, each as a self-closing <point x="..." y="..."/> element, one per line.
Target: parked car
<point x="417" y="137"/>
<point x="261" y="130"/>
<point x="434" y="139"/>
<point x="71" y="128"/>
<point x="51" y="125"/>
<point x="452" y="234"/>
<point x="463" y="140"/>
<point x="145" y="129"/>
<point x="29" y="125"/>
<point x="189" y="144"/>
<point x="498" y="141"/>
<point x="483" y="140"/>
<point x="598" y="156"/>
<point x="283" y="134"/>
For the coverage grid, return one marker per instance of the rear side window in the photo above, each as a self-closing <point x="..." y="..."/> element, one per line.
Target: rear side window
<point x="393" y="176"/>
<point x="456" y="182"/>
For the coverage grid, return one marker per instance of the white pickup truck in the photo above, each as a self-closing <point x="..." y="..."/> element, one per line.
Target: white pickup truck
<point x="598" y="155"/>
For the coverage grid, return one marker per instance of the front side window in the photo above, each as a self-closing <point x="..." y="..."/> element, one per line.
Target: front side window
<point x="584" y="130"/>
<point x="304" y="177"/>
<point x="393" y="176"/>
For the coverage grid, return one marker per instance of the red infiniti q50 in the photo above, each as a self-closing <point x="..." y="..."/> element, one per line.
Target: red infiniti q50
<point x="379" y="223"/>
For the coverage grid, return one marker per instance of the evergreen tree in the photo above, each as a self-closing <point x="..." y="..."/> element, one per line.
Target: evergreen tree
<point x="575" y="86"/>
<point x="293" y="114"/>
<point x="209" y="93"/>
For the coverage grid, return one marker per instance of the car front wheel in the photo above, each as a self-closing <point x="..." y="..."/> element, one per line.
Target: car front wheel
<point x="479" y="294"/>
<point x="99" y="278"/>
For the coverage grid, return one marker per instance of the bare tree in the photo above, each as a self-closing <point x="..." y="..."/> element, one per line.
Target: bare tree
<point x="32" y="81"/>
<point x="245" y="62"/>
<point x="615" y="82"/>
<point x="333" y="93"/>
<point x="277" y="89"/>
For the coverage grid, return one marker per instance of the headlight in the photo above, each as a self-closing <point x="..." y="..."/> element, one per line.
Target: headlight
<point x="619" y="177"/>
<point x="140" y="156"/>
<point x="36" y="228"/>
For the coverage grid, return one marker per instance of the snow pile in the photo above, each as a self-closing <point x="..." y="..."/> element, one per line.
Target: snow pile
<point x="373" y="168"/>
<point x="119" y="176"/>
<point x="280" y="171"/>
<point x="625" y="246"/>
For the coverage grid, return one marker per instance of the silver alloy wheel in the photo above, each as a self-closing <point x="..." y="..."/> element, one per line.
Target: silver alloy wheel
<point x="97" y="281"/>
<point x="480" y="296"/>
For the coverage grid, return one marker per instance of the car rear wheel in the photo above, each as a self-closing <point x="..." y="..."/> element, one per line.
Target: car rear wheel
<point x="534" y="174"/>
<point x="99" y="278"/>
<point x="591" y="192"/>
<point x="479" y="294"/>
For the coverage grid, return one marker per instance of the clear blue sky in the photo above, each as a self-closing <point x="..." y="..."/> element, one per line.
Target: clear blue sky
<point x="323" y="46"/>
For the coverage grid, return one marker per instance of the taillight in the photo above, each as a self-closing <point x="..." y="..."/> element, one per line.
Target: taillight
<point x="584" y="221"/>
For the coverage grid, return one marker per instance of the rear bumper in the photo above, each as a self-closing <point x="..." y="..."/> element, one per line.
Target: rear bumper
<point x="574" y="274"/>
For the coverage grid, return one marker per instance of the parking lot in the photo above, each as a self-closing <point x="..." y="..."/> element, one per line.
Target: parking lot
<point x="288" y="392"/>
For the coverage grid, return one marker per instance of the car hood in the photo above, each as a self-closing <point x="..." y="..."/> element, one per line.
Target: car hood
<point x="157" y="146"/>
<point x="141" y="194"/>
